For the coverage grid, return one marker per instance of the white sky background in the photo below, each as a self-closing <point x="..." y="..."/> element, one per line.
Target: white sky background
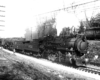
<point x="20" y="14"/>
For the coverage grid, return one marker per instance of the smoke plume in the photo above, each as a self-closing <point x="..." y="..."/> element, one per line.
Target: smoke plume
<point x="44" y="29"/>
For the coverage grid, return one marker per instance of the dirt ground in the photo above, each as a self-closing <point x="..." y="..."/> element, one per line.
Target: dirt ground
<point x="13" y="68"/>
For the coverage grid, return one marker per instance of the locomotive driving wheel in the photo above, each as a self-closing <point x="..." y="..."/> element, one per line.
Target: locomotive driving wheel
<point x="60" y="57"/>
<point x="73" y="62"/>
<point x="51" y="55"/>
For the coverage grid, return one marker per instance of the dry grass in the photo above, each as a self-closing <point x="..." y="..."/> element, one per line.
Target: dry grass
<point x="21" y="71"/>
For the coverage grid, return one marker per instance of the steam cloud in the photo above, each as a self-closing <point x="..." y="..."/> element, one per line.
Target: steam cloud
<point x="49" y="27"/>
<point x="64" y="19"/>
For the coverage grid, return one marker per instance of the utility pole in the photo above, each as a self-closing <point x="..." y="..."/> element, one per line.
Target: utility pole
<point x="31" y="34"/>
<point x="64" y="4"/>
<point x="87" y="19"/>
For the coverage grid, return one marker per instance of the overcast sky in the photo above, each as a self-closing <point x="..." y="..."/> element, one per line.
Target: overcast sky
<point x="20" y="14"/>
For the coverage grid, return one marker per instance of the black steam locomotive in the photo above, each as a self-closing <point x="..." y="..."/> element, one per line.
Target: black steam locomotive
<point x="55" y="48"/>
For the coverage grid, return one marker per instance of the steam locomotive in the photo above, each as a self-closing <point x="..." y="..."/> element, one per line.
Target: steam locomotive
<point x="70" y="48"/>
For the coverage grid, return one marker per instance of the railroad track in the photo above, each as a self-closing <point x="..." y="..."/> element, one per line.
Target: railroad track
<point x="90" y="70"/>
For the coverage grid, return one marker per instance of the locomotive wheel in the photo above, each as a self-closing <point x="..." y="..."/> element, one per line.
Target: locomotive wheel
<point x="73" y="62"/>
<point x="44" y="54"/>
<point x="58" y="56"/>
<point x="23" y="52"/>
<point x="51" y="55"/>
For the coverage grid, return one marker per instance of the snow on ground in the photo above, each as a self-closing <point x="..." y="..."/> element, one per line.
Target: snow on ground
<point x="58" y="67"/>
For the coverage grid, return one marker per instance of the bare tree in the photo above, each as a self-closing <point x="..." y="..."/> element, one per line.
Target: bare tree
<point x="81" y="27"/>
<point x="95" y="21"/>
<point x="47" y="28"/>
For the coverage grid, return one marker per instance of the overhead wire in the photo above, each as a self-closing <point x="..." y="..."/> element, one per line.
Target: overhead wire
<point x="73" y="8"/>
<point x="76" y="5"/>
